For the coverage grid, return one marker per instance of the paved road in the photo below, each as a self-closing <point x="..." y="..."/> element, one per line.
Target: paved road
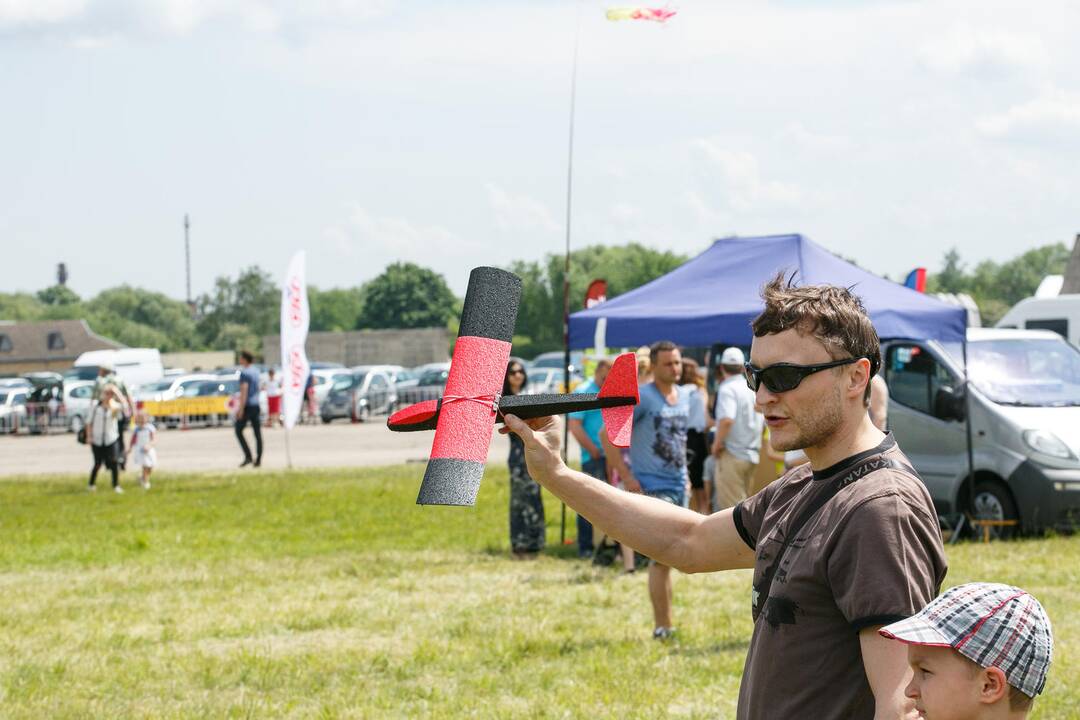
<point x="336" y="445"/>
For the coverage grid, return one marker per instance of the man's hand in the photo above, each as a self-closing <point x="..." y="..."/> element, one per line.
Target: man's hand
<point x="630" y="483"/>
<point x="542" y="442"/>
<point x="717" y="449"/>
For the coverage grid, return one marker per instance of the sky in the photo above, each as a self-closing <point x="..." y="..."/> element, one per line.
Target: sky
<point x="371" y="131"/>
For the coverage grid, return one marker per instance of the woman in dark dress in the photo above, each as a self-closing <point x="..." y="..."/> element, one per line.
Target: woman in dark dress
<point x="526" y="506"/>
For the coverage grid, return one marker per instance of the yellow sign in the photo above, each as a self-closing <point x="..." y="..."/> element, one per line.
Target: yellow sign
<point x="188" y="406"/>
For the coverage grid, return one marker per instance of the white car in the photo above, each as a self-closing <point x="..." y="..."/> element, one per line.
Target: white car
<point x="171" y="388"/>
<point x="12" y="408"/>
<point x="547" y="380"/>
<point x="77" y="403"/>
<point x="325" y="379"/>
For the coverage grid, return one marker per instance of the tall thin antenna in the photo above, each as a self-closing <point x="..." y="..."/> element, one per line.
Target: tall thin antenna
<point x="187" y="257"/>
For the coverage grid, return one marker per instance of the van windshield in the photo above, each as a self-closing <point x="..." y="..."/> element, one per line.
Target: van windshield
<point x="1040" y="373"/>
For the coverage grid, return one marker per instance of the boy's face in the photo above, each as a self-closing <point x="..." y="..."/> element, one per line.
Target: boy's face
<point x="944" y="685"/>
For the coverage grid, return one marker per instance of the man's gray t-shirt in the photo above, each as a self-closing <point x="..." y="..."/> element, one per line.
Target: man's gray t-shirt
<point x="870" y="556"/>
<point x="735" y="401"/>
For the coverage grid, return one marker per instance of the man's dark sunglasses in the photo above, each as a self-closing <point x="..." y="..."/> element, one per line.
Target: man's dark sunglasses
<point x="783" y="377"/>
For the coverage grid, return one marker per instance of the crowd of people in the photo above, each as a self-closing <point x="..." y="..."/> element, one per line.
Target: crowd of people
<point x="845" y="544"/>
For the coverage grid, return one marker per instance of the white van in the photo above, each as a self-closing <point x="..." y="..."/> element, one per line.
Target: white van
<point x="135" y="366"/>
<point x="1060" y="313"/>
<point x="1025" y="419"/>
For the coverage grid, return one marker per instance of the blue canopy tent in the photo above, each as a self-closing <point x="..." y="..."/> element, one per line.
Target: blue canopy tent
<point x="713" y="298"/>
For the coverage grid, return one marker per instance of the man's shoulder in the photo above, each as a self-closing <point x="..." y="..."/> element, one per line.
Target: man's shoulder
<point x="896" y="479"/>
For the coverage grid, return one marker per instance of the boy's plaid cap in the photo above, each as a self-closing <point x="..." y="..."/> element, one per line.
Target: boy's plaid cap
<point x="991" y="624"/>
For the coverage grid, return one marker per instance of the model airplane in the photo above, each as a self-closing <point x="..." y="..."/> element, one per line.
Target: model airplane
<point x="472" y="401"/>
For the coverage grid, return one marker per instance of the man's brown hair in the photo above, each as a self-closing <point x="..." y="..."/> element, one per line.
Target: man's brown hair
<point x="660" y="346"/>
<point x="834" y="315"/>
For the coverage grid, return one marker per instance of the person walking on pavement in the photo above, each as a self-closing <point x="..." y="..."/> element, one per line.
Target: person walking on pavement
<point x="248" y="411"/>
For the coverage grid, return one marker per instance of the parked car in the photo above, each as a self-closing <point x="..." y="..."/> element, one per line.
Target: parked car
<point x="325" y="379"/>
<point x="86" y="372"/>
<point x="13" y="408"/>
<point x="219" y="387"/>
<point x="429" y="385"/>
<point x="363" y="394"/>
<point x="434" y="376"/>
<point x="1024" y="407"/>
<point x="543" y="380"/>
<point x="172" y="388"/>
<point x="77" y="403"/>
<point x="14" y="382"/>
<point x="556" y="359"/>
<point x="44" y="401"/>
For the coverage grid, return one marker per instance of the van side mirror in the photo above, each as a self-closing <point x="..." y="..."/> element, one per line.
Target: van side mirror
<point x="949" y="404"/>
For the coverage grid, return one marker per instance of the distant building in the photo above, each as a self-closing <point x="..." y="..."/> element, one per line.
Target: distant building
<point x="51" y="345"/>
<point x="408" y="348"/>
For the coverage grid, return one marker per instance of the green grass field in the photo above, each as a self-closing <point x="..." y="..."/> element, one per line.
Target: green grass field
<point x="331" y="594"/>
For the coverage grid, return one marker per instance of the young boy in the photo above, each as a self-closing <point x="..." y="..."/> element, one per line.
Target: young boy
<point x="979" y="650"/>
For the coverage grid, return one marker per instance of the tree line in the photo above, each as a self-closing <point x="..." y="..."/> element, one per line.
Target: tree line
<point x="238" y="311"/>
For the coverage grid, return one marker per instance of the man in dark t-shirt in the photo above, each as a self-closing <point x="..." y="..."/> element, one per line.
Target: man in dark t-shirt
<point x="839" y="546"/>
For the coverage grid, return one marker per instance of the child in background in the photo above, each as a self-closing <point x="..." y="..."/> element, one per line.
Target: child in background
<point x="979" y="650"/>
<point x="273" y="398"/>
<point x="142" y="447"/>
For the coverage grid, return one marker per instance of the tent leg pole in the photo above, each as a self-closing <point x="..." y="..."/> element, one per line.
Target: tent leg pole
<point x="967" y="423"/>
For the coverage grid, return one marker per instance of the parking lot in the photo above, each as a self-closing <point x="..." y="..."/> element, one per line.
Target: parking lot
<point x="340" y="444"/>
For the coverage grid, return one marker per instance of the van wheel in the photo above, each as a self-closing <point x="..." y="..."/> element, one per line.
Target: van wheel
<point x="75" y="424"/>
<point x="993" y="502"/>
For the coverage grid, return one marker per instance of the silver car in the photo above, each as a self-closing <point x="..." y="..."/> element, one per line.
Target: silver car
<point x="1025" y="414"/>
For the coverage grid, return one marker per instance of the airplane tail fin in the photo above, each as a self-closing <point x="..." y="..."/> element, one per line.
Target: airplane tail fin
<point x="621" y="382"/>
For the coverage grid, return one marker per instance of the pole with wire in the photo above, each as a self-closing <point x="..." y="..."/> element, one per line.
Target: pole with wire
<point x="566" y="264"/>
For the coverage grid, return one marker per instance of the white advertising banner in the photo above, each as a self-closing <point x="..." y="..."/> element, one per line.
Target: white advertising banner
<point x="294" y="329"/>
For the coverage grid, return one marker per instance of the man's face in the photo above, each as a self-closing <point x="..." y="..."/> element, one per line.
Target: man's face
<point x="943" y="685"/>
<point x="668" y="366"/>
<point x="600" y="374"/>
<point x="811" y="413"/>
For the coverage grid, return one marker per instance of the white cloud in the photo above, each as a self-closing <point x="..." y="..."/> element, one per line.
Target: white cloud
<point x="97" y="19"/>
<point x="1054" y="114"/>
<point x="389" y="238"/>
<point x="985" y="51"/>
<point x="30" y="13"/>
<point x="737" y="175"/>
<point x="520" y="212"/>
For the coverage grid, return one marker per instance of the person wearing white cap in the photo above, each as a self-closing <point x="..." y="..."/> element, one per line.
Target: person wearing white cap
<point x="737" y="444"/>
<point x="980" y="650"/>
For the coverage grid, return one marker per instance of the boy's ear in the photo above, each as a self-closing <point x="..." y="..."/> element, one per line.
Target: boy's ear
<point x="994" y="686"/>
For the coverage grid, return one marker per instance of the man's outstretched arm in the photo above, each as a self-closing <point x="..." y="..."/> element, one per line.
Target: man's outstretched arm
<point x="673" y="536"/>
